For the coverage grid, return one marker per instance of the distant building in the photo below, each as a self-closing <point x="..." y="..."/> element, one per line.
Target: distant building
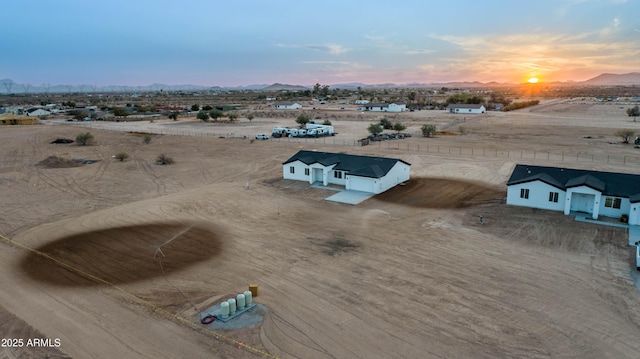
<point x="385" y="107"/>
<point x="37" y="112"/>
<point x="361" y="102"/>
<point x="287" y="105"/>
<point x="465" y="108"/>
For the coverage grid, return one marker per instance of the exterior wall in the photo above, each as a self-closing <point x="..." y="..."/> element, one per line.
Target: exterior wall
<point x="634" y="213"/>
<point x="538" y="196"/>
<point x="376" y="109"/>
<point x="399" y="173"/>
<point x="584" y="190"/>
<point x="396" y="108"/>
<point x="625" y="208"/>
<point x="295" y="106"/>
<point x="298" y="174"/>
<point x="482" y="109"/>
<point x="339" y="181"/>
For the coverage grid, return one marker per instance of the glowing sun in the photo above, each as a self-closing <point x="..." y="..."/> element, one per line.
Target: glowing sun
<point x="533" y="80"/>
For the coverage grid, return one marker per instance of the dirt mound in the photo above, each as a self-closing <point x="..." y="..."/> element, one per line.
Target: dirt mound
<point x="124" y="254"/>
<point x="58" y="162"/>
<point x="442" y="193"/>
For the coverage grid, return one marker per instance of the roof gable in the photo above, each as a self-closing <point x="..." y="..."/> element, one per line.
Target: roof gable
<point x="355" y="165"/>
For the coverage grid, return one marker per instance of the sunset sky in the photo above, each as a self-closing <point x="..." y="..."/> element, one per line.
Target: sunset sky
<point x="242" y="42"/>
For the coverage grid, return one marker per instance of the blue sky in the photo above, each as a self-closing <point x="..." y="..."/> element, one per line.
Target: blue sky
<point x="242" y="42"/>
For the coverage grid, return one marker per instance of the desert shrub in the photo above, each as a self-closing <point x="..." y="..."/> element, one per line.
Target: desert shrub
<point x="326" y="123"/>
<point x="146" y="139"/>
<point x="398" y="127"/>
<point x="122" y="156"/>
<point x="519" y="105"/>
<point x="84" y="139"/>
<point x="428" y="130"/>
<point x="386" y="123"/>
<point x="164" y="160"/>
<point x="625" y="134"/>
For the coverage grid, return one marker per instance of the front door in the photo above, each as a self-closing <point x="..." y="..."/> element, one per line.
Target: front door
<point x="582" y="202"/>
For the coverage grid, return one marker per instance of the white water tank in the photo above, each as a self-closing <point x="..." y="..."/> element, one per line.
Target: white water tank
<point x="232" y="306"/>
<point x="240" y="301"/>
<point x="224" y="309"/>
<point x="247" y="298"/>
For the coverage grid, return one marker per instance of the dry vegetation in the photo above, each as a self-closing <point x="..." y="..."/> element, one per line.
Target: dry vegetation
<point x="409" y="273"/>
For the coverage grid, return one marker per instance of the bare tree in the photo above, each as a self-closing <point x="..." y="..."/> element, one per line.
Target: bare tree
<point x="625" y="134"/>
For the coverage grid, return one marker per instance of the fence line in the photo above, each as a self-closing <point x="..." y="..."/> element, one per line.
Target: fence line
<point x="399" y="144"/>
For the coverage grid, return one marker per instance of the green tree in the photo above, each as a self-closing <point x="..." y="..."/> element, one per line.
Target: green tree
<point x="207" y="107"/>
<point x="316" y="89"/>
<point x="633" y="112"/>
<point x="374" y="128"/>
<point x="202" y="115"/>
<point x="216" y="114"/>
<point x="428" y="130"/>
<point x="174" y="115"/>
<point x="233" y="117"/>
<point x="250" y="117"/>
<point x="303" y="119"/>
<point x="412" y="96"/>
<point x="386" y="124"/>
<point x="326" y="122"/>
<point x="625" y="134"/>
<point x="195" y="107"/>
<point x="122" y="156"/>
<point x="398" y="127"/>
<point x="84" y="139"/>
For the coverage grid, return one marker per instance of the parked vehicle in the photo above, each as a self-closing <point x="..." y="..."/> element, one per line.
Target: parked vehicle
<point x="262" y="136"/>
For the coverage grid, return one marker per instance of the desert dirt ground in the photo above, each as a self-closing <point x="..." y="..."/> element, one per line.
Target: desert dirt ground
<point x="409" y="273"/>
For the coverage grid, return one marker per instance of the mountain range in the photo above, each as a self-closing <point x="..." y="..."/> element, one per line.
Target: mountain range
<point x="9" y="86"/>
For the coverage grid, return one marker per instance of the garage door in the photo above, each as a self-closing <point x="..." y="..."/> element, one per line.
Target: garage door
<point x="361" y="184"/>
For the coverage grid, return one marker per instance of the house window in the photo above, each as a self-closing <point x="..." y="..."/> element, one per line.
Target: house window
<point x="337" y="174"/>
<point x="553" y="197"/>
<point x="292" y="169"/>
<point x="524" y="193"/>
<point x="612" y="202"/>
<point x="306" y="171"/>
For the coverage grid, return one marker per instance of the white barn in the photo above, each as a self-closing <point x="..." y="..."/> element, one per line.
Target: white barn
<point x="354" y="172"/>
<point x="609" y="194"/>
<point x="287" y="105"/>
<point x="465" y="108"/>
<point x="385" y="107"/>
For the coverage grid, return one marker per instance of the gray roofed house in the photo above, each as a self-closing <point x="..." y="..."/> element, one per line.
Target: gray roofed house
<point x="355" y="172"/>
<point x="611" y="194"/>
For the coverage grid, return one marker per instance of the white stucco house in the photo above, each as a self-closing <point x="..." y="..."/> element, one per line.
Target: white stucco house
<point x="385" y="107"/>
<point x="287" y="105"/>
<point x="465" y="108"/>
<point x="37" y="112"/>
<point x="608" y="194"/>
<point x="354" y="172"/>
